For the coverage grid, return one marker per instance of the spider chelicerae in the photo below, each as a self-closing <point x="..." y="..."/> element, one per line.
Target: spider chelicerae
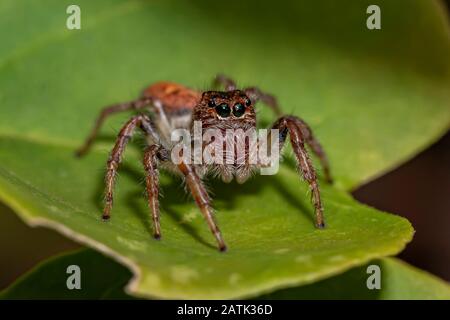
<point x="165" y="106"/>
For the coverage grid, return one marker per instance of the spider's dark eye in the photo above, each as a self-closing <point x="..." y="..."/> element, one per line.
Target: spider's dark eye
<point x="212" y="102"/>
<point x="238" y="110"/>
<point x="223" y="110"/>
<point x="248" y="102"/>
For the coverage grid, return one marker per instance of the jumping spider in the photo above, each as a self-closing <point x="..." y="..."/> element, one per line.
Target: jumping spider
<point x="169" y="106"/>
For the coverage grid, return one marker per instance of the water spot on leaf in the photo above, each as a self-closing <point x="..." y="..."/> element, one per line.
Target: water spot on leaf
<point x="235" y="278"/>
<point x="303" y="259"/>
<point x="336" y="258"/>
<point x="131" y="244"/>
<point x="183" y="274"/>
<point x="281" y="251"/>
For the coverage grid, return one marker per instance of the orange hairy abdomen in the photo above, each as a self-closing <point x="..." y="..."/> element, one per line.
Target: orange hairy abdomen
<point x="173" y="96"/>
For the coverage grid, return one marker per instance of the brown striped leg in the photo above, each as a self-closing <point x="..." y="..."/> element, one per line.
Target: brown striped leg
<point x="152" y="155"/>
<point x="316" y="148"/>
<point x="290" y="124"/>
<point x="125" y="134"/>
<point x="224" y="81"/>
<point x="107" y="111"/>
<point x="203" y="201"/>
<point x="256" y="95"/>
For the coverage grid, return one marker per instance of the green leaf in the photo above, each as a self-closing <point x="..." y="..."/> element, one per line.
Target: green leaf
<point x="374" y="98"/>
<point x="271" y="243"/>
<point x="48" y="281"/>
<point x="399" y="281"/>
<point x="100" y="278"/>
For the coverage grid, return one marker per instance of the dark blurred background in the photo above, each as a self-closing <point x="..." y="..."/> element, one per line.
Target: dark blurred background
<point x="419" y="190"/>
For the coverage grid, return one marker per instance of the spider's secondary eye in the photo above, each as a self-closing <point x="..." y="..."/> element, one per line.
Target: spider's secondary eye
<point x="248" y="102"/>
<point x="212" y="102"/>
<point x="223" y="110"/>
<point x="238" y="110"/>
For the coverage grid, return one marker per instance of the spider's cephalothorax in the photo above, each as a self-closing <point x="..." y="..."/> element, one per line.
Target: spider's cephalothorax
<point x="172" y="106"/>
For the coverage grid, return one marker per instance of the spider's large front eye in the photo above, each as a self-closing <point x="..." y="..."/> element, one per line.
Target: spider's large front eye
<point x="223" y="110"/>
<point x="238" y="110"/>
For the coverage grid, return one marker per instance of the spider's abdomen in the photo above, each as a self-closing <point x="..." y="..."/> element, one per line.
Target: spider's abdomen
<point x="173" y="96"/>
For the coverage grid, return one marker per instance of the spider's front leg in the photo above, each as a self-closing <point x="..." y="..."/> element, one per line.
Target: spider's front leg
<point x="203" y="201"/>
<point x="300" y="134"/>
<point x="145" y="124"/>
<point x="315" y="146"/>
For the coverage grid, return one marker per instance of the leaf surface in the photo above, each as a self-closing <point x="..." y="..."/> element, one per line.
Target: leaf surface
<point x="48" y="281"/>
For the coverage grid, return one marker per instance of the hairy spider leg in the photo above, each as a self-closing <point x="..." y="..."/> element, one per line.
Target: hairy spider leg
<point x="138" y="104"/>
<point x="293" y="126"/>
